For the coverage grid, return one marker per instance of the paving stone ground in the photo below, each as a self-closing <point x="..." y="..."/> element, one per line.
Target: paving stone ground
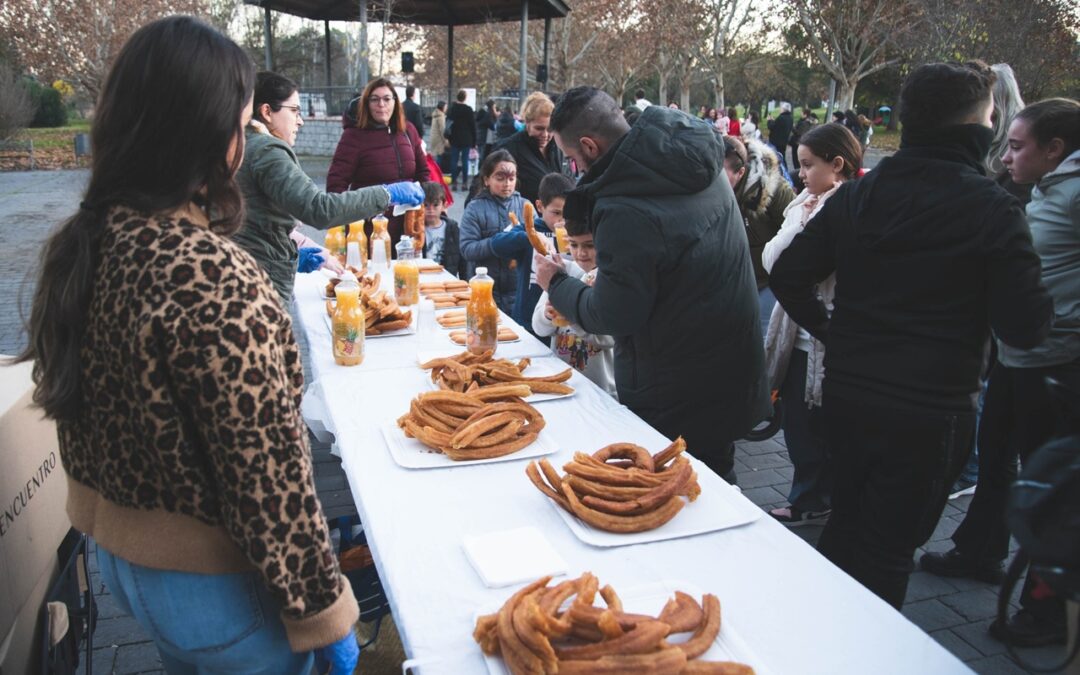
<point x="955" y="612"/>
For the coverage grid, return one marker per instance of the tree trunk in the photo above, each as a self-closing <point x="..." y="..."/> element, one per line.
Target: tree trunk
<point x="662" y="76"/>
<point x="845" y="95"/>
<point x="684" y="93"/>
<point x="718" y="90"/>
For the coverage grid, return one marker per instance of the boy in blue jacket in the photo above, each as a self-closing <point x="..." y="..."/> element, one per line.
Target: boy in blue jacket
<point x="513" y="244"/>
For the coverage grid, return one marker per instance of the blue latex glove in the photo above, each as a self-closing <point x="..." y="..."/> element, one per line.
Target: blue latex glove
<point x="310" y="259"/>
<point x="405" y="194"/>
<point x="340" y="657"/>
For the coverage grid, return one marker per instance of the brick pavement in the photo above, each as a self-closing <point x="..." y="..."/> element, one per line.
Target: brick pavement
<point x="955" y="612"/>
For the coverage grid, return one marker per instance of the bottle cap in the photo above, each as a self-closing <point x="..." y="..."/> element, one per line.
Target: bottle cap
<point x="481" y="270"/>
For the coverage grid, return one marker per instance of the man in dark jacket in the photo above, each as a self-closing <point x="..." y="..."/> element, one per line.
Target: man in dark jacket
<point x="413" y="113"/>
<point x="675" y="285"/>
<point x="462" y="123"/>
<point x="780" y="130"/>
<point x="929" y="256"/>
<point x="807" y="122"/>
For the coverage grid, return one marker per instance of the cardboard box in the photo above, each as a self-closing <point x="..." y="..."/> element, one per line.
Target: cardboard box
<point x="33" y="520"/>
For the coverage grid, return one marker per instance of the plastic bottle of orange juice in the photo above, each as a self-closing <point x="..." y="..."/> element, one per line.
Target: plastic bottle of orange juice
<point x="481" y="314"/>
<point x="406" y="274"/>
<point x="379" y="236"/>
<point x="356" y="235"/>
<point x="347" y="323"/>
<point x="335" y="242"/>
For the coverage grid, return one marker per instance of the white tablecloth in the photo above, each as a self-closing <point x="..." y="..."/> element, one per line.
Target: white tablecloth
<point x="797" y="612"/>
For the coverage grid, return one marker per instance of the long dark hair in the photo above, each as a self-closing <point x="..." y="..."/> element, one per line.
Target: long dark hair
<point x="829" y="141"/>
<point x="364" y="120"/>
<point x="1054" y="118"/>
<point x="164" y="125"/>
<point x="271" y="89"/>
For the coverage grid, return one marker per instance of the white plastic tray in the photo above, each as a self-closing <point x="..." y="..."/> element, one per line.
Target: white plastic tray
<point x="410" y="330"/>
<point x="412" y="454"/>
<point x="512" y="556"/>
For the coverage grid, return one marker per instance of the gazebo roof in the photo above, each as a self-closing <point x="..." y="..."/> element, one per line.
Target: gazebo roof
<point x="419" y="12"/>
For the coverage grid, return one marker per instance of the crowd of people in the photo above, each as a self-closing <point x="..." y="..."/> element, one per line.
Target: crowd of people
<point x="698" y="281"/>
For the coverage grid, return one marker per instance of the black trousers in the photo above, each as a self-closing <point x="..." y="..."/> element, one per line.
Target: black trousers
<point x="892" y="473"/>
<point x="1019" y="416"/>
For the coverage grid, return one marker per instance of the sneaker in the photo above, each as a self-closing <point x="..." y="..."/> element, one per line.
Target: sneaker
<point x="1024" y="629"/>
<point x="955" y="564"/>
<point x="794" y="517"/>
<point x="962" y="488"/>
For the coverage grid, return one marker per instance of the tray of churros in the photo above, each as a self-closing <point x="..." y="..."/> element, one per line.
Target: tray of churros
<point x="454" y="319"/>
<point x="442" y="429"/>
<point x="459" y="337"/>
<point x="577" y="626"/>
<point x="546" y="378"/>
<point x="446" y="294"/>
<point x="621" y="494"/>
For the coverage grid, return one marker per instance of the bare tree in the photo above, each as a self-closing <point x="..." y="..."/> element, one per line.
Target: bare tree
<point x="77" y="40"/>
<point x="851" y="39"/>
<point x="16" y="108"/>
<point x="726" y="21"/>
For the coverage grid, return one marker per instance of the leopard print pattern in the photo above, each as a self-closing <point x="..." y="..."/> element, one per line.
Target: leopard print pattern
<point x="192" y="384"/>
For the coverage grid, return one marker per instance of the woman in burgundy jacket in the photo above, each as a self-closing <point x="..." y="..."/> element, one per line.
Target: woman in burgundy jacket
<point x="378" y="146"/>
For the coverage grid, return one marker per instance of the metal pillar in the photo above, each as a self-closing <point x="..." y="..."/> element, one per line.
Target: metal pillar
<point x="524" y="82"/>
<point x="364" y="75"/>
<point x="547" y="55"/>
<point x="449" y="65"/>
<point x="326" y="31"/>
<point x="268" y="40"/>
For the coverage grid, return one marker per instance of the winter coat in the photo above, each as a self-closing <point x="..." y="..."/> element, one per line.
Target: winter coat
<point x="514" y="244"/>
<point x="675" y="287"/>
<point x="505" y="127"/>
<point x="531" y="165"/>
<point x="780" y="130"/>
<point x="485" y="216"/>
<point x="462" y="123"/>
<point x="450" y="257"/>
<point x="1054" y="217"/>
<point x="438" y="144"/>
<point x="485" y="122"/>
<point x="414" y="115"/>
<point x="763" y="194"/>
<point x="929" y="255"/>
<point x="277" y="192"/>
<point x="376" y="156"/>
<point x="801" y="127"/>
<point x="783" y="333"/>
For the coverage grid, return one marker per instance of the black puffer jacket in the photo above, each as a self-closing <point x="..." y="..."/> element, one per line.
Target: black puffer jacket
<point x="531" y="165"/>
<point x="675" y="286"/>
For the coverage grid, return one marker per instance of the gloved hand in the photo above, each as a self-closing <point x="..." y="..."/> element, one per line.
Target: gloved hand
<point x="405" y="193"/>
<point x="310" y="259"/>
<point x="340" y="657"/>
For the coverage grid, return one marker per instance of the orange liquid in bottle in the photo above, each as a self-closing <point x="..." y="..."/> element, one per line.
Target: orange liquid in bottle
<point x="481" y="314"/>
<point x="335" y="242"/>
<point x="347" y="326"/>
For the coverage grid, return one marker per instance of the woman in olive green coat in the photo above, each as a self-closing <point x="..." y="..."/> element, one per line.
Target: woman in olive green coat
<point x="277" y="192"/>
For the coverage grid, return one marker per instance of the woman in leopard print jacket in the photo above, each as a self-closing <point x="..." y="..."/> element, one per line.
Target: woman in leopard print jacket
<point x="165" y="357"/>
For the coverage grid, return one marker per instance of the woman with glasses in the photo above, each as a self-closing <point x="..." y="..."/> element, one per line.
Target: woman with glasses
<point x="277" y="192"/>
<point x="378" y="146"/>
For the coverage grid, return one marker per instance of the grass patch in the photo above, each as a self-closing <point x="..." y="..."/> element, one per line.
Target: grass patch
<point x="58" y="137"/>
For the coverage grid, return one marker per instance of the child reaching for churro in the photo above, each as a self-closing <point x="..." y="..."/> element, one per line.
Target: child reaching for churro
<point x="591" y="354"/>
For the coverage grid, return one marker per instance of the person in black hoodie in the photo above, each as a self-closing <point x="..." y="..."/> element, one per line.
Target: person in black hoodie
<point x="929" y="256"/>
<point x="676" y="286"/>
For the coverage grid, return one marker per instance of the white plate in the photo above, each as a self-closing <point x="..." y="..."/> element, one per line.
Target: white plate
<point x="502" y="342"/>
<point x="540" y="367"/>
<point x="650" y="599"/>
<point x="412" y="454"/>
<point x="718" y="507"/>
<point x="411" y="330"/>
<point x="512" y="556"/>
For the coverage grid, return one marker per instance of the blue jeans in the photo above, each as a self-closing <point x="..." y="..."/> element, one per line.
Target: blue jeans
<point x="970" y="472"/>
<point x="459" y="155"/>
<point x="205" y="623"/>
<point x="766" y="302"/>
<point x="811" y="484"/>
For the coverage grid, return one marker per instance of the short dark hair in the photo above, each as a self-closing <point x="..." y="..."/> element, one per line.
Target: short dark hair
<point x="734" y="153"/>
<point x="493" y="159"/>
<point x="461" y="96"/>
<point x="838" y="115"/>
<point x="938" y="95"/>
<point x="829" y="141"/>
<point x="640" y="93"/>
<point x="434" y="193"/>
<point x="1054" y="118"/>
<point x="441" y="105"/>
<point x="553" y="186"/>
<point x="588" y="111"/>
<point x="409" y="91"/>
<point x="576" y="228"/>
<point x="271" y="89"/>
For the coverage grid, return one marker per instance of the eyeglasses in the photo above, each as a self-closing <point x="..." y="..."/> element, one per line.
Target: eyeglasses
<point x="380" y="99"/>
<point x="294" y="108"/>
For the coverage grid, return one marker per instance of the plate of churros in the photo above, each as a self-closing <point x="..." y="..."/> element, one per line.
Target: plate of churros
<point x="454" y="319"/>
<point x="547" y="378"/>
<point x="443" y="428"/>
<point x="505" y="335"/>
<point x="446" y="294"/>
<point x="576" y="626"/>
<point x="621" y="495"/>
